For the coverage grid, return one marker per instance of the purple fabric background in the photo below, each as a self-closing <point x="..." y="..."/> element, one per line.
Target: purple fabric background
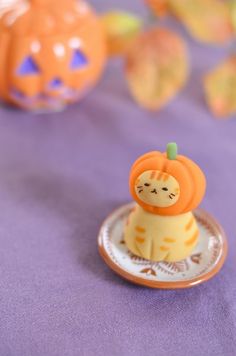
<point x="60" y="175"/>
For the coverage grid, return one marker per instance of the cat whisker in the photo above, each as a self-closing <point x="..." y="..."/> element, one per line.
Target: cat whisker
<point x="140" y="186"/>
<point x="140" y="191"/>
<point x="170" y="196"/>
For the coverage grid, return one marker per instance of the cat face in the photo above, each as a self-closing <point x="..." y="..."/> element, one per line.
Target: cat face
<point x="157" y="189"/>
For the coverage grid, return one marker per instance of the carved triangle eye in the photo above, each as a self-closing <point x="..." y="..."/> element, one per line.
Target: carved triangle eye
<point x="28" y="67"/>
<point x="79" y="60"/>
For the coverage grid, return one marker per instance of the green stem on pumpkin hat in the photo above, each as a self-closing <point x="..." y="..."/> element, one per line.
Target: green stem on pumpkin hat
<point x="172" y="150"/>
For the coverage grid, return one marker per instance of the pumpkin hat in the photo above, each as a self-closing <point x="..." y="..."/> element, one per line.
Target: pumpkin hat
<point x="190" y="177"/>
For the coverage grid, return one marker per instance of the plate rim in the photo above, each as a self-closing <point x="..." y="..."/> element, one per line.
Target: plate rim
<point x="160" y="284"/>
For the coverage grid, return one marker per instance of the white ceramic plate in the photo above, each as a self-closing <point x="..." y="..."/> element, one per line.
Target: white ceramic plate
<point x="206" y="260"/>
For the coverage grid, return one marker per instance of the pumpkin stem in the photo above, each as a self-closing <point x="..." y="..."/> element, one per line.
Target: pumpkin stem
<point x="172" y="150"/>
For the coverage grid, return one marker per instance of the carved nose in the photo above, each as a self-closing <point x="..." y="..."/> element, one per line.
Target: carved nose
<point x="56" y="83"/>
<point x="154" y="191"/>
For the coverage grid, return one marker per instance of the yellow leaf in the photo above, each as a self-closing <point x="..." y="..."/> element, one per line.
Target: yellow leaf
<point x="121" y="28"/>
<point x="220" y="88"/>
<point x="207" y="20"/>
<point x="156" y="67"/>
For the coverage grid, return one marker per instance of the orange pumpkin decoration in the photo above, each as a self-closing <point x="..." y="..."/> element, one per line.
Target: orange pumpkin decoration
<point x="190" y="177"/>
<point x="52" y="52"/>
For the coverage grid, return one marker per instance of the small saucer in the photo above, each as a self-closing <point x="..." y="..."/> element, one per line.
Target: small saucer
<point x="206" y="260"/>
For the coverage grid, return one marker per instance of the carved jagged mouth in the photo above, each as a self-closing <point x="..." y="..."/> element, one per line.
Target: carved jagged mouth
<point x="64" y="95"/>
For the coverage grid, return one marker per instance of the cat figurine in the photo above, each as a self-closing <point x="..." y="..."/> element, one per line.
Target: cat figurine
<point x="167" y="187"/>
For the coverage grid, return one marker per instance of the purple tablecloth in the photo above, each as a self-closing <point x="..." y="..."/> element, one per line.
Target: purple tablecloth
<point x="60" y="175"/>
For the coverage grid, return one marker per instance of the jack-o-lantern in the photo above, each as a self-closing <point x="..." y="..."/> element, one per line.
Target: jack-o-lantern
<point x="52" y="52"/>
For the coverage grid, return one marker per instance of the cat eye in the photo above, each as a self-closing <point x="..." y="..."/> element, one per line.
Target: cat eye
<point x="146" y="184"/>
<point x="165" y="189"/>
